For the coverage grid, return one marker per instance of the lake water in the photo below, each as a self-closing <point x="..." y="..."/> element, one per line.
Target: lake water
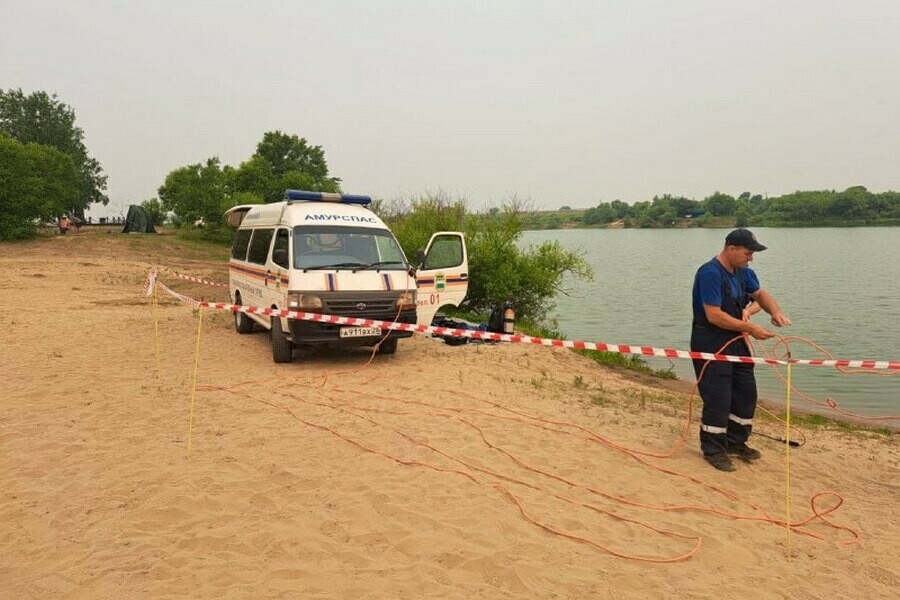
<point x="839" y="286"/>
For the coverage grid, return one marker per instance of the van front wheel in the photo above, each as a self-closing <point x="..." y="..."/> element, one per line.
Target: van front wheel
<point x="282" y="348"/>
<point x="388" y="346"/>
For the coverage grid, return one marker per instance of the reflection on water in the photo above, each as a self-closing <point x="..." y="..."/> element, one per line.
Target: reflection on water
<point x="839" y="286"/>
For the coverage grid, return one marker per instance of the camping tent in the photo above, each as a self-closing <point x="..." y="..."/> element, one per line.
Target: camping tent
<point x="137" y="221"/>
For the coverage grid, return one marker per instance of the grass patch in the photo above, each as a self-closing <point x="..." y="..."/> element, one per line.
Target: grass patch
<point x="609" y="359"/>
<point x="624" y="361"/>
<point x="170" y="243"/>
<point x="211" y="236"/>
<point x="813" y="420"/>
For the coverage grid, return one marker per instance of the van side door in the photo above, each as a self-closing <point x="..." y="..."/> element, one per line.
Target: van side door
<point x="278" y="269"/>
<point x="443" y="277"/>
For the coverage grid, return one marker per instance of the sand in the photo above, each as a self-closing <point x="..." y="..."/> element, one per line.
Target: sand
<point x="479" y="471"/>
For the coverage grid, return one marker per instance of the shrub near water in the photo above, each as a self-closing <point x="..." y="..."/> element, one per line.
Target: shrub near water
<point x="499" y="269"/>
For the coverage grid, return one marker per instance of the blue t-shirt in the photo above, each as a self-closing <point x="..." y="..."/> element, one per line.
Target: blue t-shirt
<point x="708" y="285"/>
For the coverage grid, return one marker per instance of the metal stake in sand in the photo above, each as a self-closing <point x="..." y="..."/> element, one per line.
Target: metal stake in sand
<point x="194" y="380"/>
<point x="787" y="458"/>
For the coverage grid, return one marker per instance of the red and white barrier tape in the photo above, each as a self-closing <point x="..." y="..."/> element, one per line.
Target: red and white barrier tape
<point x="182" y="297"/>
<point x="149" y="283"/>
<point x="526" y="339"/>
<point x="196" y="279"/>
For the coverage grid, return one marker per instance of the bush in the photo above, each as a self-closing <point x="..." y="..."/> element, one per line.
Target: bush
<point x="16" y="229"/>
<point x="414" y="221"/>
<point x="499" y="269"/>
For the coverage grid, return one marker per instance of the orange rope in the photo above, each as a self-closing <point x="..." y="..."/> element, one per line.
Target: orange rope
<point x="563" y="428"/>
<point x="545" y="424"/>
<point x="828" y="403"/>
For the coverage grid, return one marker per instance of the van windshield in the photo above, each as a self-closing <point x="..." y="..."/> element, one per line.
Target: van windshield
<point x="337" y="247"/>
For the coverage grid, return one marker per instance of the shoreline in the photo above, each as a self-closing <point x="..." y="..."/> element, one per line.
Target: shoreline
<point x="837" y="420"/>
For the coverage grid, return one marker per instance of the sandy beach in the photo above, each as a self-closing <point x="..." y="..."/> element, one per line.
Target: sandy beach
<point x="476" y="471"/>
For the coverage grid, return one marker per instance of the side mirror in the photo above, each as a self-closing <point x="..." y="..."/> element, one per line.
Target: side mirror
<point x="420" y="256"/>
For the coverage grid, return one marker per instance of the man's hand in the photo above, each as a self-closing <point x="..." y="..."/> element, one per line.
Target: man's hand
<point x="779" y="319"/>
<point x="759" y="332"/>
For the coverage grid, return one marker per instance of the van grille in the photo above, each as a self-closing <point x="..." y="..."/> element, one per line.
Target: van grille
<point x="359" y="305"/>
<point x="349" y="307"/>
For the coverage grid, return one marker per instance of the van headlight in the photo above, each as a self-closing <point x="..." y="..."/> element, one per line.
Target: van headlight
<point x="301" y="301"/>
<point x="406" y="300"/>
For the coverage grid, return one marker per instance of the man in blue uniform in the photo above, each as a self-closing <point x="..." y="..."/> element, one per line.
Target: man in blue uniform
<point x="726" y="293"/>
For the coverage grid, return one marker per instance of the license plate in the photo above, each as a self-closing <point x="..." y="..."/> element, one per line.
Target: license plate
<point x="351" y="332"/>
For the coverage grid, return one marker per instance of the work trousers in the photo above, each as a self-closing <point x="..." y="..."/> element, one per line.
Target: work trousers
<point x="728" y="391"/>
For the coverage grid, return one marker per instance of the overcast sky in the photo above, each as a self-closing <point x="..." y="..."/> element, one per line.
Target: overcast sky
<point x="566" y="103"/>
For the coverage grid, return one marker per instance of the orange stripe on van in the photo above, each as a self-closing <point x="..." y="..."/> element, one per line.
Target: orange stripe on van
<point x="249" y="271"/>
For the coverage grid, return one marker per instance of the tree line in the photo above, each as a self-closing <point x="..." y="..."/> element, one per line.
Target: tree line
<point x="46" y="171"/>
<point x="853" y="206"/>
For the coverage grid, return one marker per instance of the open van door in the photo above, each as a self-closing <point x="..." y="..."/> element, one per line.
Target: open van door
<point x="234" y="216"/>
<point x="443" y="275"/>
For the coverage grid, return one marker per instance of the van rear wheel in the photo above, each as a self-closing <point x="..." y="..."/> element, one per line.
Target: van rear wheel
<point x="282" y="348"/>
<point x="242" y="323"/>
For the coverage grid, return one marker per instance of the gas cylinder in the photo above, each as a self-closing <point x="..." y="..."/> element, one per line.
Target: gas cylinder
<point x="509" y="320"/>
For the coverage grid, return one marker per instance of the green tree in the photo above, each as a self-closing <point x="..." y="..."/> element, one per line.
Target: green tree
<point x="602" y="213"/>
<point x="757" y="204"/>
<point x="43" y="119"/>
<point x="156" y="214"/>
<point x="196" y="191"/>
<point x="292" y="163"/>
<point x="621" y="209"/>
<point x="37" y="184"/>
<point x="885" y="206"/>
<point x="797" y="209"/>
<point x="851" y="204"/>
<point x="720" y="205"/>
<point x="255" y="176"/>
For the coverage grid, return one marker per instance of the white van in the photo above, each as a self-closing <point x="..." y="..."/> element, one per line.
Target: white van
<point x="329" y="254"/>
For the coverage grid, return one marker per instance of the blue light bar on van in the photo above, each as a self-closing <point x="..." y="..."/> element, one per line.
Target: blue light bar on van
<point x="326" y="197"/>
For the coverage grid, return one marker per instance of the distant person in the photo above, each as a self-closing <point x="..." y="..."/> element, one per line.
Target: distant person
<point x="63" y="225"/>
<point x="726" y="293"/>
<point x="77" y="223"/>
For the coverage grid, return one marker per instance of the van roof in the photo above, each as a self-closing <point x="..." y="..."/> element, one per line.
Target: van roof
<point x="317" y="208"/>
<point x="294" y="213"/>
